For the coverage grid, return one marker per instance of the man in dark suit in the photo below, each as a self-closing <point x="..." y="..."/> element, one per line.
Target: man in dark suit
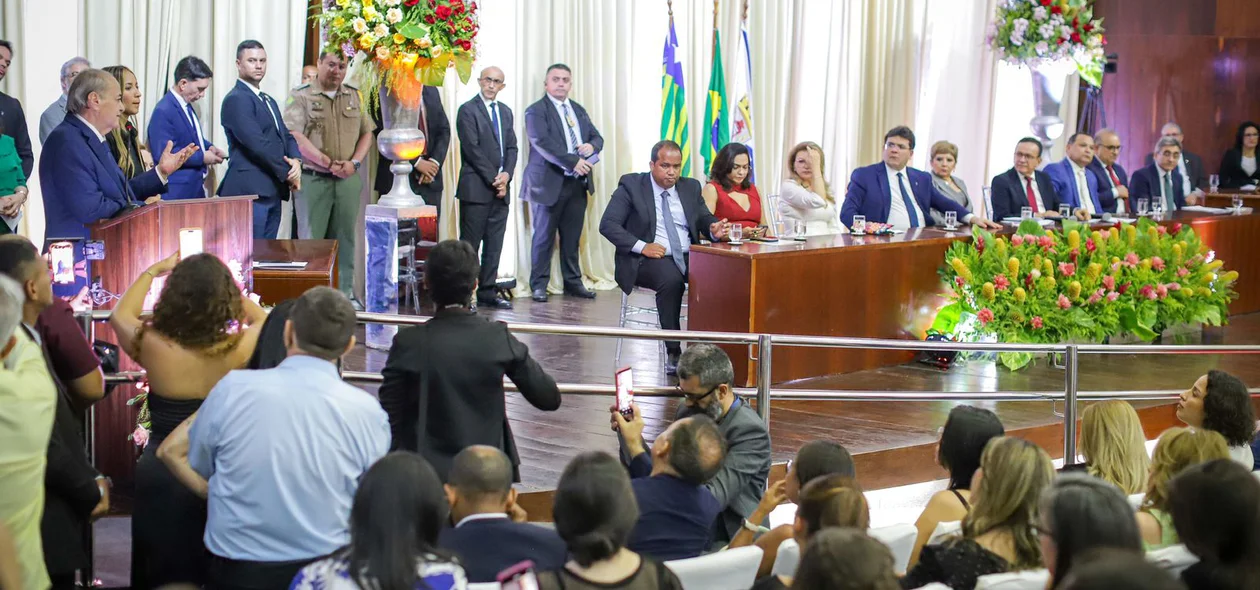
<point x="81" y="180"/>
<point x="1113" y="182"/>
<point x="705" y="376"/>
<point x="564" y="146"/>
<point x="490" y="533"/>
<point x="652" y="220"/>
<point x="487" y="145"/>
<point x="426" y="171"/>
<point x="1024" y="185"/>
<point x="1075" y="184"/>
<point x="443" y="380"/>
<point x="265" y="159"/>
<point x="891" y="192"/>
<point x="74" y="492"/>
<point x="1190" y="168"/>
<point x="12" y="118"/>
<point x="1161" y="181"/>
<point x="175" y="120"/>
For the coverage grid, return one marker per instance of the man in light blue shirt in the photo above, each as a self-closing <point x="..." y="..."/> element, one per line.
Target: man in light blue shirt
<point x="283" y="450"/>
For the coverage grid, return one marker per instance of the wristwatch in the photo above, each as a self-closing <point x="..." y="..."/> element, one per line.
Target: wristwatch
<point x="356" y="164"/>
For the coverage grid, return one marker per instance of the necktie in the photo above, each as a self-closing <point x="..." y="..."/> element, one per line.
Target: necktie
<point x="103" y="152"/>
<point x="1032" y="197"/>
<point x="494" y="122"/>
<point x="1168" y="193"/>
<point x="192" y="120"/>
<point x="1082" y="190"/>
<point x="568" y="122"/>
<point x="671" y="230"/>
<point x="271" y="108"/>
<point x="905" y="198"/>
<point x="1115" y="180"/>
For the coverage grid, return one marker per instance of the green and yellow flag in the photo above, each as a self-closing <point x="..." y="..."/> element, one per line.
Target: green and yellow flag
<point x="715" y="123"/>
<point x="674" y="100"/>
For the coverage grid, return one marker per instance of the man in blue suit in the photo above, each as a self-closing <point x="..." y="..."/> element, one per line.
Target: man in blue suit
<point x="891" y="192"/>
<point x="265" y="158"/>
<point x="175" y="120"/>
<point x="81" y="180"/>
<point x="1161" y="181"/>
<point x="1072" y="179"/>
<point x="1024" y="185"/>
<point x="490" y="532"/>
<point x="1113" y="182"/>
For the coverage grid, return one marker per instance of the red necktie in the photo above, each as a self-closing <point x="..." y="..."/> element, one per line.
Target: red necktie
<point x="1115" y="180"/>
<point x="1032" y="197"/>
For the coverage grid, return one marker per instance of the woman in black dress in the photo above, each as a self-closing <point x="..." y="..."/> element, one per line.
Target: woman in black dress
<point x="124" y="141"/>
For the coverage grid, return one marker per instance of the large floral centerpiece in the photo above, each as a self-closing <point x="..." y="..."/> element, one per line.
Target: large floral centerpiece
<point x="1077" y="285"/>
<point x="402" y="44"/>
<point x="1033" y="32"/>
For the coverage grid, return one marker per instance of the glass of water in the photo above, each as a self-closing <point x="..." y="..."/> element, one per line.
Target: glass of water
<point x="1065" y="211"/>
<point x="1214" y="182"/>
<point x="951" y="220"/>
<point x="1025" y="213"/>
<point x="1157" y="208"/>
<point x="798" y="230"/>
<point x="1237" y="200"/>
<point x="1143" y="205"/>
<point x="737" y="233"/>
<point x="859" y="224"/>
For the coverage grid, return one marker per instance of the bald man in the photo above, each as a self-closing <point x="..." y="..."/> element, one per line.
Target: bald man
<point x="309" y="73"/>
<point x="488" y="148"/>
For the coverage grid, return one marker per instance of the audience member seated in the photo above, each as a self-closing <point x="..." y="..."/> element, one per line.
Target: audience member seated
<point x="124" y="141"/>
<point x="1214" y="506"/>
<point x="676" y="511"/>
<point x="1220" y="401"/>
<point x="450" y="371"/>
<point x="1075" y="183"/>
<point x="997" y="534"/>
<point x="595" y="512"/>
<point x="966" y="432"/>
<point x="944" y="159"/>
<point x="1117" y="569"/>
<point x="705" y="375"/>
<point x="75" y="491"/>
<point x="202" y="327"/>
<point x="845" y="558"/>
<point x="1114" y="446"/>
<point x="1078" y="513"/>
<point x="283" y="466"/>
<point x="394" y="525"/>
<point x="816" y="459"/>
<point x="1189" y="165"/>
<point x="1025" y="186"/>
<point x="1238" y="166"/>
<point x="1177" y="449"/>
<point x="29" y="398"/>
<point x="490" y="532"/>
<point x="1161" y="180"/>
<point x="13" y="190"/>
<point x="730" y="193"/>
<point x="270" y="350"/>
<point x="805" y="195"/>
<point x="826" y="502"/>
<point x="1113" y="182"/>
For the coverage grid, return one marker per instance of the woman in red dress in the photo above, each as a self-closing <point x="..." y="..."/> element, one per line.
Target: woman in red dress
<point x="730" y="194"/>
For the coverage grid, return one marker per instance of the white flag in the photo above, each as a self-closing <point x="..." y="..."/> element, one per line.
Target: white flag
<point x="741" y="105"/>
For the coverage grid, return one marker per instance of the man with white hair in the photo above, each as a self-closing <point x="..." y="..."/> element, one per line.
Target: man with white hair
<point x="56" y="112"/>
<point x="1189" y="167"/>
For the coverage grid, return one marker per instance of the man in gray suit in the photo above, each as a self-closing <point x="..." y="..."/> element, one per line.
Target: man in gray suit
<point x="704" y="376"/>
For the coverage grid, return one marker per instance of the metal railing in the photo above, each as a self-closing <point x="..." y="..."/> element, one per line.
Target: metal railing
<point x="763" y="392"/>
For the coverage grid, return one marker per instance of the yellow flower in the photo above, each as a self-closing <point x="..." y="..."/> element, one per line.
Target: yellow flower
<point x="1113" y="233"/>
<point x="1093" y="271"/>
<point x="1050" y="233"/>
<point x="1074" y="239"/>
<point x="1215" y="264"/>
<point x="370" y="13"/>
<point x="1229" y="277"/>
<point x="409" y="59"/>
<point x="1048" y="283"/>
<point x="367" y="2"/>
<point x="339" y="22"/>
<point x="1176" y="249"/>
<point x="1205" y="292"/>
<point x="343" y="3"/>
<point x="1012" y="266"/>
<point x="1017" y="317"/>
<point x="1145" y="264"/>
<point x="366" y="41"/>
<point x="1074" y="290"/>
<point x="1130" y="233"/>
<point x="988" y="291"/>
<point x="1001" y="247"/>
<point x="1020" y="294"/>
<point x="399" y="39"/>
<point x="1047" y="267"/>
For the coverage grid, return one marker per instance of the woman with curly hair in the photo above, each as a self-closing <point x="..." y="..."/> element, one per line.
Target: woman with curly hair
<point x="202" y="327"/>
<point x="1220" y="401"/>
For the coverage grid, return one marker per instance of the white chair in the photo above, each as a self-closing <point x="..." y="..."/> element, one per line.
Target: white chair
<point x="945" y="530"/>
<point x="1025" y="580"/>
<point x="900" y="540"/>
<point x="484" y="586"/>
<point x="1172" y="559"/>
<point x="630" y="315"/>
<point x="733" y="569"/>
<point x="1135" y="501"/>
<point x="786" y="560"/>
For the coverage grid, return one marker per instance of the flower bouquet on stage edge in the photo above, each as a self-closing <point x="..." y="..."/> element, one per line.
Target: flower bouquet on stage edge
<point x="1047" y="287"/>
<point x="1037" y="32"/>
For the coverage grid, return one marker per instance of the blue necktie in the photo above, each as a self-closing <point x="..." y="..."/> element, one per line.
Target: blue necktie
<point x="271" y="108"/>
<point x="192" y="120"/>
<point x="671" y="230"/>
<point x="905" y="197"/>
<point x="498" y="136"/>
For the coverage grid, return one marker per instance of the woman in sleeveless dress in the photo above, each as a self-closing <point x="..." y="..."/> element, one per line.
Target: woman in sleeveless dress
<point x="730" y="193"/>
<point x="202" y="327"/>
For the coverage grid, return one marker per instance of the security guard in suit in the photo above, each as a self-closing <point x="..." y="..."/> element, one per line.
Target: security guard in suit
<point x="334" y="134"/>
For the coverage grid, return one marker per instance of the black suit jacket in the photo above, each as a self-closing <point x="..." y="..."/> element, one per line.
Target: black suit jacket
<point x="1010" y="195"/>
<point x="13" y="124"/>
<point x="258" y="145"/>
<point x="631" y="217"/>
<point x="463" y="401"/>
<point x="435" y="146"/>
<point x="1232" y="174"/>
<point x="486" y="547"/>
<point x="1106" y="192"/>
<point x="1146" y="186"/>
<point x="549" y="156"/>
<point x="1194" y="168"/>
<point x="479" y="150"/>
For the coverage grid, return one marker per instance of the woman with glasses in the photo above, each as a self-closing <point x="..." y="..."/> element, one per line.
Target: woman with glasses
<point x="730" y="193"/>
<point x="1238" y="166"/>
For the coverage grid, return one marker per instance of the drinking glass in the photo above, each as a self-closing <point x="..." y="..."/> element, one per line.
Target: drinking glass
<point x="1025" y="213"/>
<point x="1214" y="182"/>
<point x="859" y="224"/>
<point x="1157" y="208"/>
<point x="1065" y="211"/>
<point x="798" y="230"/>
<point x="737" y="233"/>
<point x="1237" y="200"/>
<point x="1143" y="205"/>
<point x="951" y="220"/>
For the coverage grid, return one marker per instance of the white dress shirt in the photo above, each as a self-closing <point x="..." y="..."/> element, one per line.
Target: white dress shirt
<point x="1023" y="190"/>
<point x="680" y="221"/>
<point x="485" y="516"/>
<point x="196" y="124"/>
<point x="99" y="136"/>
<point x="1082" y="188"/>
<point x="1186" y="187"/>
<point x="564" y="122"/>
<point x="258" y="93"/>
<point x="898" y="216"/>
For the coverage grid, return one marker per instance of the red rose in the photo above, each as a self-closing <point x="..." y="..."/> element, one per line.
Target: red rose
<point x="472" y="7"/>
<point x="1046" y="2"/>
<point x="1062" y="41"/>
<point x="443" y="12"/>
<point x="457" y="6"/>
<point x="411" y="2"/>
<point x="466" y="44"/>
<point x="428" y="18"/>
<point x="1088" y="27"/>
<point x="1076" y="37"/>
<point x="1056" y="9"/>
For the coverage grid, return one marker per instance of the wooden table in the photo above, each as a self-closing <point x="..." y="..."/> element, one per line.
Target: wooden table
<point x="1225" y="198"/>
<point x="277" y="285"/>
<point x="872" y="287"/>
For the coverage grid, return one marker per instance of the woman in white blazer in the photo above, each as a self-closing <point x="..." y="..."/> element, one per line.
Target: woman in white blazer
<point x="805" y="195"/>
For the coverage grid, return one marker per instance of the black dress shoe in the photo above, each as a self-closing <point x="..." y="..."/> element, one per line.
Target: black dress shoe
<point x="671" y="364"/>
<point x="496" y="303"/>
<point x="582" y="292"/>
<point x="539" y="295"/>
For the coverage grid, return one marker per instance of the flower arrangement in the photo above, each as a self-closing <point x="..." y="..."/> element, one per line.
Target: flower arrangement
<point x="403" y="44"/>
<point x="1043" y="287"/>
<point x="1034" y="31"/>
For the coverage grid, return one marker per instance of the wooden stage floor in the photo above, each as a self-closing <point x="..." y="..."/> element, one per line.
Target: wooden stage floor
<point x="894" y="440"/>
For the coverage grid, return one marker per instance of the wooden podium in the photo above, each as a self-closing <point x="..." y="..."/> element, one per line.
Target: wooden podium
<point x="133" y="242"/>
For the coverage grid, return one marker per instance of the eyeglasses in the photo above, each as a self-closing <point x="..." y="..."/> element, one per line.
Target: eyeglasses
<point x="1113" y="148"/>
<point x="492" y="80"/>
<point x="695" y="398"/>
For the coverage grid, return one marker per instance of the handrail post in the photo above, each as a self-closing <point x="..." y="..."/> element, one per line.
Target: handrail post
<point x="763" y="377"/>
<point x="1069" y="404"/>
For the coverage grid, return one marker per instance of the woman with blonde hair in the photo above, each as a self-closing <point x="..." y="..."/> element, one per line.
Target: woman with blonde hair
<point x="998" y="533"/>
<point x="805" y="196"/>
<point x="1114" y="446"/>
<point x="944" y="159"/>
<point x="1177" y="449"/>
<point x="124" y="141"/>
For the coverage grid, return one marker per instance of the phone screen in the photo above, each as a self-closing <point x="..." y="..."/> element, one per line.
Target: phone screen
<point x="189" y="242"/>
<point x="521" y="581"/>
<point x="625" y="390"/>
<point x="61" y="255"/>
